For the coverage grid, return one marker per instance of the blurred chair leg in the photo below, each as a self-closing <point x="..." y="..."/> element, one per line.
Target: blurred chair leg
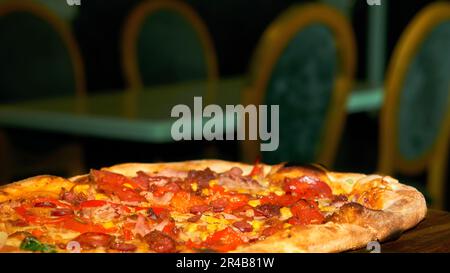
<point x="436" y="185"/>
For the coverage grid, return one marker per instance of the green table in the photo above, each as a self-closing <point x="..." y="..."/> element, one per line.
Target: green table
<point x="137" y="116"/>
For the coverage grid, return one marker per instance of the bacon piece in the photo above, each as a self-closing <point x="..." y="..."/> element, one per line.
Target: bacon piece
<point x="269" y="231"/>
<point x="141" y="226"/>
<point x="268" y="210"/>
<point x="198" y="209"/>
<point x="245" y="211"/>
<point x="160" y="242"/>
<point x="101" y="213"/>
<point x="142" y="180"/>
<point x="219" y="205"/>
<point x="243" y="226"/>
<point x="234" y="172"/>
<point x="194" y="219"/>
<point x="72" y="197"/>
<point x="240" y="183"/>
<point x="202" y="177"/>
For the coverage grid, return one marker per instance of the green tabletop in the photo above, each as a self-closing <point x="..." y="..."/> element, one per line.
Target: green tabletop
<point x="140" y="116"/>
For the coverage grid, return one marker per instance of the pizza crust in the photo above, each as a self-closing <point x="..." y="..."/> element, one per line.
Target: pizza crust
<point x="37" y="186"/>
<point x="396" y="207"/>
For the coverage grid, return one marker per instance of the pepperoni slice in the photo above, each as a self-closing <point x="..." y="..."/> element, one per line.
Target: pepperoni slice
<point x="91" y="240"/>
<point x="160" y="242"/>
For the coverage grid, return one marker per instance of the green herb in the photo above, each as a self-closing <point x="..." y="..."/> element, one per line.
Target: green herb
<point x="33" y="244"/>
<point x="350" y="181"/>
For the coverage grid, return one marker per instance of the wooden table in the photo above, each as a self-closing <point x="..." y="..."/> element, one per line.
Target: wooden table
<point x="138" y="116"/>
<point x="431" y="235"/>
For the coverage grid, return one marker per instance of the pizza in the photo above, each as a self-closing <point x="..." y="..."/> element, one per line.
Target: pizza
<point x="205" y="206"/>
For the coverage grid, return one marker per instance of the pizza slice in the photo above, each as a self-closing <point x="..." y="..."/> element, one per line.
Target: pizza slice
<point x="205" y="206"/>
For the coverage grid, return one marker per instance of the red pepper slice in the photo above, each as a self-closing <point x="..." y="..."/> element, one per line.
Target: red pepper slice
<point x="121" y="186"/>
<point x="30" y="218"/>
<point x="83" y="225"/>
<point x="92" y="203"/>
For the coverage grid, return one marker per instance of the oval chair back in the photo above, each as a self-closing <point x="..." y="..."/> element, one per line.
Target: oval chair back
<point x="304" y="63"/>
<point x="39" y="55"/>
<point x="166" y="42"/>
<point x="415" y="118"/>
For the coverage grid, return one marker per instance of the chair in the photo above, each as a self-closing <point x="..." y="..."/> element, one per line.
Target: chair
<point x="415" y="118"/>
<point x="40" y="59"/>
<point x="166" y="42"/>
<point x="304" y="62"/>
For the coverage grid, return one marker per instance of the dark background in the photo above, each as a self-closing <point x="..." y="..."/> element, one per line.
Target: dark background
<point x="235" y="26"/>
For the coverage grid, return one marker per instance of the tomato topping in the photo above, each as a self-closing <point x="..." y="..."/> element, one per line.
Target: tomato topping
<point x="183" y="200"/>
<point x="37" y="233"/>
<point x="306" y="212"/>
<point x="217" y="189"/>
<point x="127" y="231"/>
<point x="284" y="200"/>
<point x="83" y="225"/>
<point x="236" y="201"/>
<point x="127" y="234"/>
<point x="170" y="228"/>
<point x="223" y="240"/>
<point x="258" y="169"/>
<point x="169" y="187"/>
<point x="121" y="186"/>
<point x="307" y="187"/>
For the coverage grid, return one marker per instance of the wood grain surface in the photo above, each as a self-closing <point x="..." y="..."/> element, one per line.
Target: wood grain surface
<point x="432" y="235"/>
